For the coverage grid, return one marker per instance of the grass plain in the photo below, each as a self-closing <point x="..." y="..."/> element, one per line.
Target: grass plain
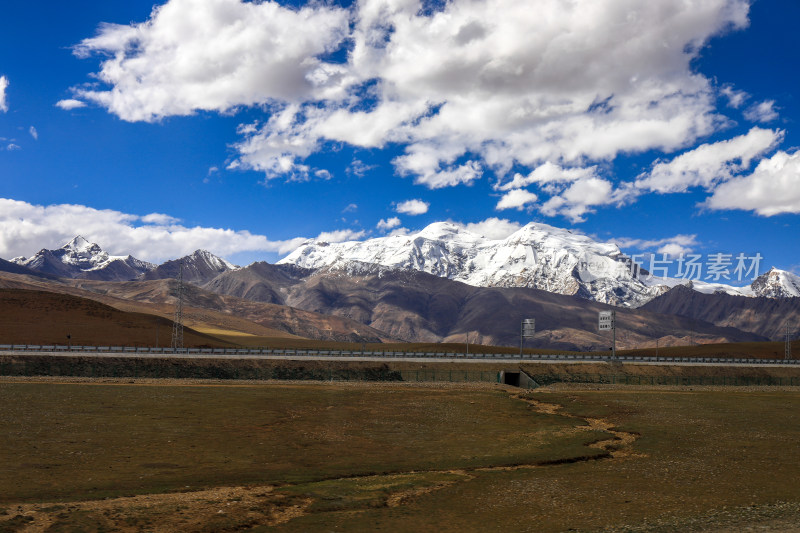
<point x="94" y="456"/>
<point x="333" y="446"/>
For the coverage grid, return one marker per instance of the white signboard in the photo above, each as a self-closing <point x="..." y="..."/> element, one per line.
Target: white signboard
<point x="606" y="320"/>
<point x="528" y="327"/>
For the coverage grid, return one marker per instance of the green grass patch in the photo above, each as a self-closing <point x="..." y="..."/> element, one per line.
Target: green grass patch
<point x="368" y="492"/>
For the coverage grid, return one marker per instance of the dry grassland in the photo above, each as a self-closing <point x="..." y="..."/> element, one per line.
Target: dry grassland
<point x="166" y="456"/>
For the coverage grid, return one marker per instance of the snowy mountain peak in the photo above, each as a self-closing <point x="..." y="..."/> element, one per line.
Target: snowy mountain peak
<point x="213" y="261"/>
<point x="80" y="258"/>
<point x="199" y="267"/>
<point x="80" y="244"/>
<point x="776" y="283"/>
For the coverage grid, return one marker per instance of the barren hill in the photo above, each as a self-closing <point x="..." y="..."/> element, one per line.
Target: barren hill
<point x="205" y="310"/>
<point x="41" y="317"/>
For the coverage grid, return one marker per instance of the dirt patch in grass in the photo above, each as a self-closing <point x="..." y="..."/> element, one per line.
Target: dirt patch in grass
<point x="219" y="509"/>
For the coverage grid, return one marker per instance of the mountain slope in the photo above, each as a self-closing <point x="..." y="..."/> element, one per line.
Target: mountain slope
<point x="43" y="317"/>
<point x="13" y="268"/>
<point x="760" y="315"/>
<point x="205" y="310"/>
<point x="260" y="282"/>
<point x="419" y="307"/>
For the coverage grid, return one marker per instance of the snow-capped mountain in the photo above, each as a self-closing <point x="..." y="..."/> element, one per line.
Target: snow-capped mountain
<point x="537" y="256"/>
<point x="82" y="259"/>
<point x="200" y="267"/>
<point x="776" y="284"/>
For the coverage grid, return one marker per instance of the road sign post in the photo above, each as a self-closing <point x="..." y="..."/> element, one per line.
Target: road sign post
<point x="527" y="329"/>
<point x="607" y="320"/>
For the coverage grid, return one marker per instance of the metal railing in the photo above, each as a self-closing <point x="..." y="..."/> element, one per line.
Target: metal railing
<point x="307" y="353"/>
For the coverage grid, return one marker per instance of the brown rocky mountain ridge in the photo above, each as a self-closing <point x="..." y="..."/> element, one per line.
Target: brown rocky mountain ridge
<point x="420" y="307"/>
<point x="760" y="315"/>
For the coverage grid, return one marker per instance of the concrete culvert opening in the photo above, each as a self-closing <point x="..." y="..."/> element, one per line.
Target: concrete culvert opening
<point x="511" y="378"/>
<point x="517" y="378"/>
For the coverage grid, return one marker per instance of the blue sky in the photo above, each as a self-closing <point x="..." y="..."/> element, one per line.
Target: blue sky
<point x="243" y="128"/>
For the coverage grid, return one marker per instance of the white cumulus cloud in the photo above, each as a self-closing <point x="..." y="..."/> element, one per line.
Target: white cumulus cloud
<point x="709" y="164"/>
<point x="3" y="87"/>
<point x="549" y="173"/>
<point x="580" y="197"/>
<point x="26" y="228"/>
<point x="412" y="207"/>
<point x="159" y="218"/>
<point x="772" y="188"/>
<point x="388" y="223"/>
<point x="215" y="55"/>
<point x="69" y="104"/>
<point x="475" y="85"/>
<point x="672" y="246"/>
<point x="762" y="112"/>
<point x="493" y="228"/>
<point x="516" y="199"/>
<point x="735" y="97"/>
<point x="341" y="235"/>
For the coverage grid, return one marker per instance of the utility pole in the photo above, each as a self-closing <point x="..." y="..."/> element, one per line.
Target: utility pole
<point x="656" y="349"/>
<point x="177" y="324"/>
<point x="468" y="343"/>
<point x="788" y="342"/>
